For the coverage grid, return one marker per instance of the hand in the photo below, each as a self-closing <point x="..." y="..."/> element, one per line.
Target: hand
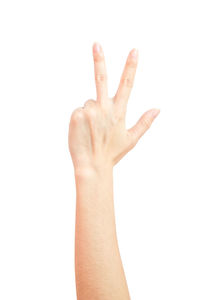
<point x="97" y="135"/>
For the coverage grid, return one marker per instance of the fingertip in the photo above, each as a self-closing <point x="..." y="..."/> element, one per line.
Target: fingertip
<point x="97" y="48"/>
<point x="154" y="112"/>
<point x="134" y="55"/>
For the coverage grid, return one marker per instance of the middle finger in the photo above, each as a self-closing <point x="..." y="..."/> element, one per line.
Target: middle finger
<point x="127" y="78"/>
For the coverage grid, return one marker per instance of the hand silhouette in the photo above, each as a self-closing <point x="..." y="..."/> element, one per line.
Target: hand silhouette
<point x="97" y="135"/>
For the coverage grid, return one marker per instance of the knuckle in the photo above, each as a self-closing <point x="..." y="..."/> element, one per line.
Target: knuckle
<point x="77" y="115"/>
<point x="116" y="117"/>
<point x="89" y="102"/>
<point x="100" y="78"/>
<point x="127" y="81"/>
<point x="91" y="112"/>
<point x="90" y="108"/>
<point x="146" y="123"/>
<point x="119" y="114"/>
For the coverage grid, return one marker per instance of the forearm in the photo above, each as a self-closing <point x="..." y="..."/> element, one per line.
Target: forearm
<point x="98" y="266"/>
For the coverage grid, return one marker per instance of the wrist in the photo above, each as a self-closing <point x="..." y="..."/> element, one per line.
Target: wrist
<point x="93" y="171"/>
<point x="94" y="184"/>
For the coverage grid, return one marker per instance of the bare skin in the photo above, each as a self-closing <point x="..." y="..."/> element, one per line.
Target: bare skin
<point x="98" y="139"/>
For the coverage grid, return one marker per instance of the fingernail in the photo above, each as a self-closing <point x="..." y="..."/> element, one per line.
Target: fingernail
<point x="155" y="112"/>
<point x="134" y="54"/>
<point x="97" y="48"/>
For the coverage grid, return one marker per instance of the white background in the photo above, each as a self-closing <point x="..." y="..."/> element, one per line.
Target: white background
<point x="46" y="71"/>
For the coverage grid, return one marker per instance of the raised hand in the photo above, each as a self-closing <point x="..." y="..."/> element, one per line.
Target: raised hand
<point x="97" y="135"/>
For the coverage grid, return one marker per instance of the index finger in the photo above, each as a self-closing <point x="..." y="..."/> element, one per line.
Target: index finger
<point x="100" y="73"/>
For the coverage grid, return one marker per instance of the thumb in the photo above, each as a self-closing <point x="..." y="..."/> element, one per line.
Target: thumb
<point x="143" y="124"/>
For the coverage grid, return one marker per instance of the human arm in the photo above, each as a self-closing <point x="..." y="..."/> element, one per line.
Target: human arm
<point x="98" y="140"/>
